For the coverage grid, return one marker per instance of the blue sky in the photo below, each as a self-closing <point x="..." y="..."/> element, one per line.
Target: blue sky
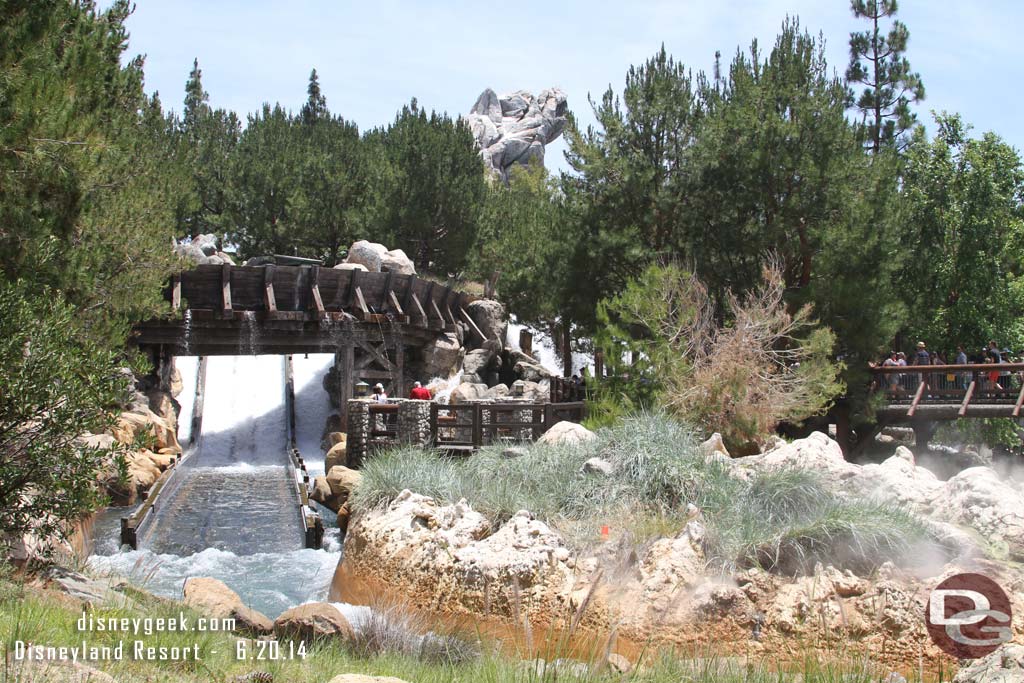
<point x="372" y="57"/>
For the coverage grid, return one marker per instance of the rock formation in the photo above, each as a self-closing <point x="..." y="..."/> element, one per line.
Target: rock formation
<point x="513" y="128"/>
<point x="449" y="559"/>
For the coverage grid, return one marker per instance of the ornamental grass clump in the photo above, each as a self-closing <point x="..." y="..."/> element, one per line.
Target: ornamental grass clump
<point x="784" y="520"/>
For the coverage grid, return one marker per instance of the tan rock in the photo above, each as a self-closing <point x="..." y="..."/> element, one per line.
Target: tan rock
<point x="343" y="517"/>
<point x="214" y="598"/>
<point x="322" y="494"/>
<point x="311" y="622"/>
<point x="337" y="455"/>
<point x="567" y="433"/>
<point x="619" y="664"/>
<point x="343" y="481"/>
<point x="334" y="438"/>
<point x="714" y="445"/>
<point x="163" y="459"/>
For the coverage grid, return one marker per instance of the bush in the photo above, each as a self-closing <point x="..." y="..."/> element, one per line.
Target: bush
<point x="784" y="520"/>
<point x="763" y="365"/>
<point x="53" y="387"/>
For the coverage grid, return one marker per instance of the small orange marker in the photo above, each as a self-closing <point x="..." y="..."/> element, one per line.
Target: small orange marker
<point x="604" y="532"/>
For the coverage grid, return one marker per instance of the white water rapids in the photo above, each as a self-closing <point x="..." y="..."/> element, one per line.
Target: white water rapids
<point x="243" y="435"/>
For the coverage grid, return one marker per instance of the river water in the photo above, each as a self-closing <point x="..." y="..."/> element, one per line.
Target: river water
<point x="231" y="514"/>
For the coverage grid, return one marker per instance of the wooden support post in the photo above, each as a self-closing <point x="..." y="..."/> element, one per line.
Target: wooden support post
<point x="176" y="291"/>
<point x="427" y="299"/>
<point x="409" y="291"/>
<point x="362" y="301"/>
<point x="386" y="291"/>
<point x="1020" y="401"/>
<point x="419" y="307"/>
<point x="314" y="289"/>
<point x="472" y="325"/>
<point x="225" y="288"/>
<point x="478" y="432"/>
<point x="448" y="308"/>
<point x="346" y="382"/>
<point x="917" y="398"/>
<point x="967" y="399"/>
<point x="400" y="367"/>
<point x="269" y="300"/>
<point x="352" y="286"/>
<point x="394" y="303"/>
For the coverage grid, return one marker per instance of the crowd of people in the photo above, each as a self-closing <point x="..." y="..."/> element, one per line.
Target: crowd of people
<point x="991" y="380"/>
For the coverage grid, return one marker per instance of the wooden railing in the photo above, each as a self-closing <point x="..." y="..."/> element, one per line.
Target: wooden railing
<point x="472" y="425"/>
<point x="985" y="384"/>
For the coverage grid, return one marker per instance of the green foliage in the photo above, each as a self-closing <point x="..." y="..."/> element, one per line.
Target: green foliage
<point x="85" y="193"/>
<point x="878" y="63"/>
<point x="431" y="185"/>
<point x="741" y="378"/>
<point x="783" y="520"/>
<point x="54" y="385"/>
<point x="964" y="210"/>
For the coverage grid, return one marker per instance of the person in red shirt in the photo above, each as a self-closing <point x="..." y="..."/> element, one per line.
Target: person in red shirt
<point x="419" y="392"/>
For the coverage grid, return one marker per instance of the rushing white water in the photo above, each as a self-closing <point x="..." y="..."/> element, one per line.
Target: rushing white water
<point x="312" y="406"/>
<point x="544" y="350"/>
<point x="222" y="496"/>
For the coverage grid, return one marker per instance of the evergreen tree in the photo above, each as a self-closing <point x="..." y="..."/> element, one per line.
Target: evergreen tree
<point x="877" y="62"/>
<point x="964" y="283"/>
<point x="315" y="107"/>
<point x="431" y="187"/>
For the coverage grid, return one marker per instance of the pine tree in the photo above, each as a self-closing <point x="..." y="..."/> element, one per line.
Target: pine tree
<point x="877" y="62"/>
<point x="315" y="107"/>
<point x="197" y="100"/>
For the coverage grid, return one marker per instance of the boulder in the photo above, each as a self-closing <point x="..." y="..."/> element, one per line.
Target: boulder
<point x="476" y="362"/>
<point x="468" y="391"/>
<point x="343" y="482"/>
<point x="395" y="261"/>
<point x="344" y="514"/>
<point x="714" y="445"/>
<point x="334" y="438"/>
<point x="190" y="253"/>
<point x="619" y="664"/>
<point x="312" y="622"/>
<point x="532" y="372"/>
<point x="206" y="243"/>
<point x="214" y="598"/>
<point x="91" y="592"/>
<point x="352" y="266"/>
<point x="598" y="466"/>
<point x="567" y="433"/>
<point x="177" y="384"/>
<point x="497" y="391"/>
<point x="491" y="317"/>
<point x="989" y="504"/>
<point x="370" y="255"/>
<point x="322" y="493"/>
<point x="442" y="357"/>
<point x="336" y="456"/>
<point x="1005" y="665"/>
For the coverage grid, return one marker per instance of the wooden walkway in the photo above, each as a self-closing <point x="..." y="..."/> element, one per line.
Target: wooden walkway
<point x="950" y="392"/>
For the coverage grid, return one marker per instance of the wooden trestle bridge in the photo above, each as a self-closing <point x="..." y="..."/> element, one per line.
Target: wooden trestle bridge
<point x="372" y="321"/>
<point x="922" y="396"/>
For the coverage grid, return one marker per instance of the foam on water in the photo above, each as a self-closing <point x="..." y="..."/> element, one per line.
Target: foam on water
<point x="267" y="582"/>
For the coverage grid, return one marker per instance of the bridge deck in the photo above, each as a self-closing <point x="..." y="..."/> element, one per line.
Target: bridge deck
<point x="950" y="392"/>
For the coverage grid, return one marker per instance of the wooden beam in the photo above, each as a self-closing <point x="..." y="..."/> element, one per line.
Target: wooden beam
<point x="387" y="290"/>
<point x="400" y="368"/>
<point x="967" y="399"/>
<point x="1020" y="401"/>
<point x="394" y="302"/>
<point x="225" y="291"/>
<point x="380" y="358"/>
<point x="427" y="298"/>
<point x="314" y="288"/>
<point x="433" y="305"/>
<point x="419" y="307"/>
<point x="362" y="301"/>
<point x="269" y="300"/>
<point x="472" y="325"/>
<point x="448" y="307"/>
<point x="409" y="291"/>
<point x="917" y="398"/>
<point x="176" y="292"/>
<point x="352" y="286"/>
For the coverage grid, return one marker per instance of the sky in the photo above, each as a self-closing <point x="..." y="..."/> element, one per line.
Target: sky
<point x="373" y="57"/>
